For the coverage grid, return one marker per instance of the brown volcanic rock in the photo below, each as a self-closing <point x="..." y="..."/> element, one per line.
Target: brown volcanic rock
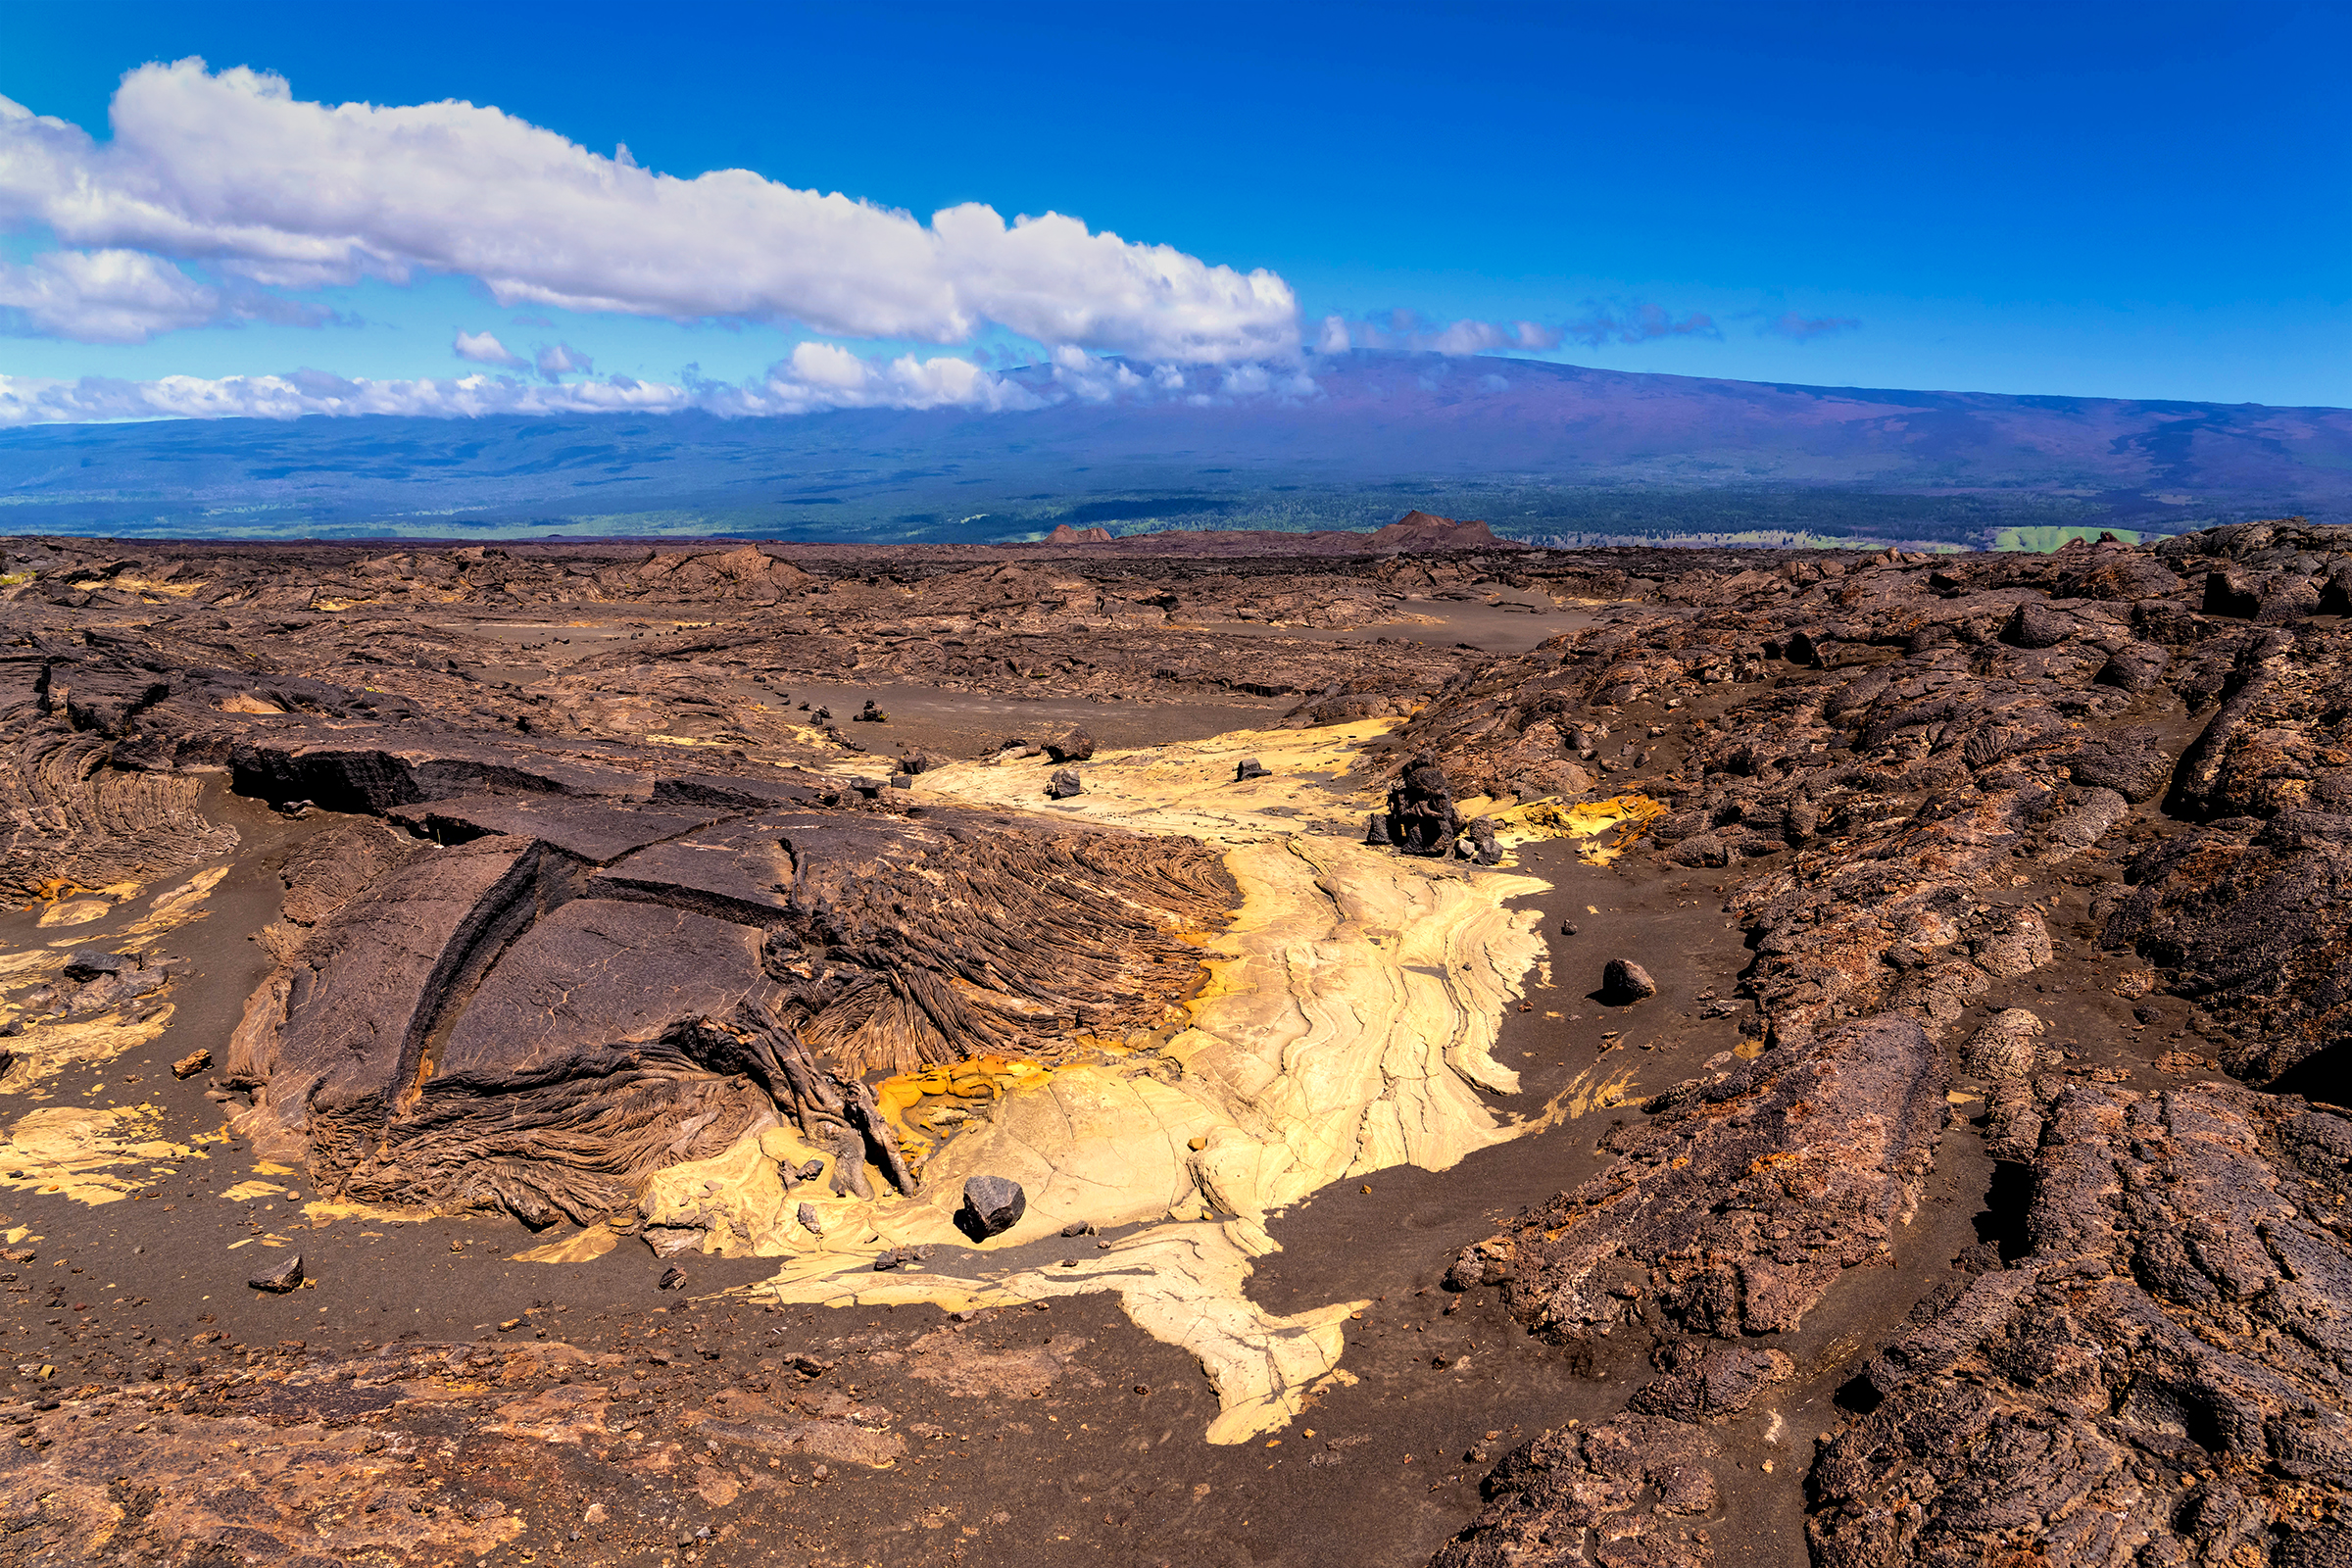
<point x="1643" y="1485"/>
<point x="2159" y="1379"/>
<point x="329" y="1042"/>
<point x="587" y="830"/>
<point x="593" y="976"/>
<point x="1737" y="1206"/>
<point x="737" y="870"/>
<point x="2253" y="927"/>
<point x="1898" y="770"/>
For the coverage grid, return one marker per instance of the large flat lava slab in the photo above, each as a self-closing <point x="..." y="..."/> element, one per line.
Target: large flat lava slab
<point x="595" y="974"/>
<point x="593" y="830"/>
<point x="739" y="870"/>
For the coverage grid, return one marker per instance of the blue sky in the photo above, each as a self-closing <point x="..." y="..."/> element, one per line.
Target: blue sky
<point x="2140" y="200"/>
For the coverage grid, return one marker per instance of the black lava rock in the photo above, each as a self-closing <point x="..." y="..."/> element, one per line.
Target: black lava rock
<point x="1627" y="981"/>
<point x="992" y="1205"/>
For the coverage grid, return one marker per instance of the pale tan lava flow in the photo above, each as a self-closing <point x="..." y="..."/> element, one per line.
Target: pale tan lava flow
<point x="1347" y="1029"/>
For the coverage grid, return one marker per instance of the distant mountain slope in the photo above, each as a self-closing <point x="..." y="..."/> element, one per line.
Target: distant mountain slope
<point x="1538" y="449"/>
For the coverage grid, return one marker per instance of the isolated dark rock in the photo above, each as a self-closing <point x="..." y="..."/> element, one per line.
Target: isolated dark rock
<point x="92" y="964"/>
<point x="1421" y="817"/>
<point x="1624" y="981"/>
<point x="1064" y="784"/>
<point x="1248" y="769"/>
<point x="1482" y="848"/>
<point x="284" y="1276"/>
<point x="992" y="1205"/>
<point x="1070" y="746"/>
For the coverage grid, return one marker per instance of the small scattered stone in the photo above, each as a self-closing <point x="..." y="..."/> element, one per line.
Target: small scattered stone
<point x="673" y="1278"/>
<point x="1078" y="1227"/>
<point x="194" y="1063"/>
<point x="811" y="1220"/>
<point x="1567" y="928"/>
<point x="1248" y="768"/>
<point x="992" y="1205"/>
<point x="1065" y="784"/>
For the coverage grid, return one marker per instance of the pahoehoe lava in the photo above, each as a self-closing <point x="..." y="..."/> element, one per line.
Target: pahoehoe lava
<point x="1969" y="1182"/>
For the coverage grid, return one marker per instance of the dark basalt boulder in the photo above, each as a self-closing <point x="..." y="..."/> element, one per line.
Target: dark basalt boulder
<point x="91" y="964"/>
<point x="992" y="1205"/>
<point x="2131" y="766"/>
<point x="2036" y="625"/>
<point x="2136" y="666"/>
<point x="1064" y="784"/>
<point x="285" y="1276"/>
<point x="1248" y="769"/>
<point x="1624" y="982"/>
<point x="1421" y="817"/>
<point x="1711" y="1383"/>
<point x="1070" y="746"/>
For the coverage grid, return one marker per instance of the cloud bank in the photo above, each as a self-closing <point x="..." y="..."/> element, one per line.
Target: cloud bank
<point x="814" y="378"/>
<point x="232" y="170"/>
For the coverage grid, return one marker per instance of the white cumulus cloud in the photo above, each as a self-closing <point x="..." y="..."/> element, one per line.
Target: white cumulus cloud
<point x="107" y="296"/>
<point x="232" y="169"/>
<point x="818" y="376"/>
<point x="484" y="348"/>
<point x="559" y="360"/>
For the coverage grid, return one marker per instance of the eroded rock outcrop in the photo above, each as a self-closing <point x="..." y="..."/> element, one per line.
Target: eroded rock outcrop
<point x="2158" y="1380"/>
